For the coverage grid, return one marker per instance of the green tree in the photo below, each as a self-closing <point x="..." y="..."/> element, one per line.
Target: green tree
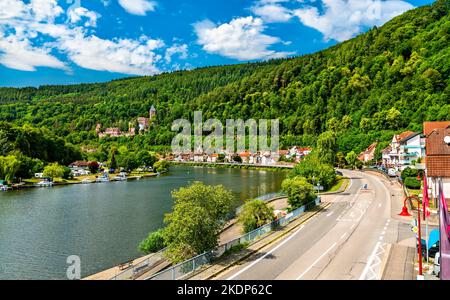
<point x="112" y="160"/>
<point x="161" y="166"/>
<point x="9" y="165"/>
<point x="254" y="214"/>
<point x="199" y="215"/>
<point x="5" y="146"/>
<point x="145" y="158"/>
<point x="327" y="147"/>
<point x="299" y="191"/>
<point x="315" y="171"/>
<point x="351" y="158"/>
<point x="54" y="170"/>
<point x="153" y="243"/>
<point x="340" y="160"/>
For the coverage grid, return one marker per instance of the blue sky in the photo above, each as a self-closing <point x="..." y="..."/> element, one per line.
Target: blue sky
<point x="73" y="41"/>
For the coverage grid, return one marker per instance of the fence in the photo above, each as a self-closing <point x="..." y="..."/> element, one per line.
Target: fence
<point x="136" y="270"/>
<point x="184" y="269"/>
<point x="271" y="196"/>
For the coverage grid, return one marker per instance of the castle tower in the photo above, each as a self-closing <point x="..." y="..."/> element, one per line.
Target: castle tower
<point x="152" y="112"/>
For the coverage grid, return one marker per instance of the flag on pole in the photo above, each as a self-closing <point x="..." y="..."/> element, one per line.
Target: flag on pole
<point x="426" y="200"/>
<point x="444" y="228"/>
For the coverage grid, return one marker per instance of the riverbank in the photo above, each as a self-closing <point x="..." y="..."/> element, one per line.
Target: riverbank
<point x="232" y="230"/>
<point x="32" y="183"/>
<point x="278" y="167"/>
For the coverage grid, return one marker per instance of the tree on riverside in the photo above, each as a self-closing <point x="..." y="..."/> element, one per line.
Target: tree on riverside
<point x="153" y="243"/>
<point x="199" y="215"/>
<point x="54" y="170"/>
<point x="254" y="214"/>
<point x="315" y="171"/>
<point x="9" y="165"/>
<point x="299" y="191"/>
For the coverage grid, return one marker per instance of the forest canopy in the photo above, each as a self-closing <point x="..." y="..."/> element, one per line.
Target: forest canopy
<point x="387" y="80"/>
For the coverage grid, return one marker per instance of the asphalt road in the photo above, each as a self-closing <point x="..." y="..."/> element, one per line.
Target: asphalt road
<point x="347" y="241"/>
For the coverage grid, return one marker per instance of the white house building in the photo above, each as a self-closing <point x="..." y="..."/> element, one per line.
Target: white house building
<point x="405" y="150"/>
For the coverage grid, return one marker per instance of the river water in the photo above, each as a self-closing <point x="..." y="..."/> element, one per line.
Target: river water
<point x="101" y="223"/>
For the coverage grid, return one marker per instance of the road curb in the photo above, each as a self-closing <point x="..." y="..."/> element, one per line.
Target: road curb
<point x="384" y="261"/>
<point x="342" y="190"/>
<point x="263" y="246"/>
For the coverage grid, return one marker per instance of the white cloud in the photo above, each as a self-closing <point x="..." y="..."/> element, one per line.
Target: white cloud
<point x="120" y="56"/>
<point x="10" y="9"/>
<point x="181" y="50"/>
<point x="138" y="7"/>
<point x="19" y="54"/>
<point x="241" y="39"/>
<point x="344" y="19"/>
<point x="45" y="10"/>
<point x="79" y="13"/>
<point x="31" y="35"/>
<point x="272" y="12"/>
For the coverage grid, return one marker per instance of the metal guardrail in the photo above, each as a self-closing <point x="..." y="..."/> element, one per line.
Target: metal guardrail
<point x="186" y="268"/>
<point x="136" y="270"/>
<point x="271" y="196"/>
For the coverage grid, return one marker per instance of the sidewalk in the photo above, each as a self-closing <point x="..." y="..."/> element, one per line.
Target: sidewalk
<point x="400" y="263"/>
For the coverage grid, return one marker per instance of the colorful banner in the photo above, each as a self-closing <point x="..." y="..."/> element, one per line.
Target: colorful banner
<point x="426" y="199"/>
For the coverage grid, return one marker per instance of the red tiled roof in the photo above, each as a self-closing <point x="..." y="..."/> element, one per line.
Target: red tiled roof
<point x="244" y="154"/>
<point x="388" y="149"/>
<point x="404" y="135"/>
<point x="428" y="127"/>
<point x="79" y="164"/>
<point x="438" y="153"/>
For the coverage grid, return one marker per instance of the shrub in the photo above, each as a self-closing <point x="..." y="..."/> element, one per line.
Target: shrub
<point x="409" y="172"/>
<point x="153" y="243"/>
<point x="254" y="214"/>
<point x="315" y="171"/>
<point x="412" y="183"/>
<point x="299" y="191"/>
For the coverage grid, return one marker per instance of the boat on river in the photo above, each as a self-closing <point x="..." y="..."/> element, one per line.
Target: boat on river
<point x="121" y="177"/>
<point x="103" y="178"/>
<point x="47" y="182"/>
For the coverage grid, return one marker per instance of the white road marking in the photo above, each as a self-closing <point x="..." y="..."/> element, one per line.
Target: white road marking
<point x="343" y="236"/>
<point x="268" y="253"/>
<point x="379" y="205"/>
<point x="330" y="214"/>
<point x="316" y="261"/>
<point x="370" y="261"/>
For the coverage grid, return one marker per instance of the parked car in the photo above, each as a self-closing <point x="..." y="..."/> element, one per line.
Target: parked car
<point x="437" y="265"/>
<point x="392" y="173"/>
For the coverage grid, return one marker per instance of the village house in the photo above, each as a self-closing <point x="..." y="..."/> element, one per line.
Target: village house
<point x="245" y="156"/>
<point x="368" y="154"/>
<point x="438" y="155"/>
<point x="298" y="153"/>
<point x="405" y="150"/>
<point x="212" y="158"/>
<point x="80" y="168"/>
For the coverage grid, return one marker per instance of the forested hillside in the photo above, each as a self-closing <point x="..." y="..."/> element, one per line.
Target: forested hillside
<point x="389" y="79"/>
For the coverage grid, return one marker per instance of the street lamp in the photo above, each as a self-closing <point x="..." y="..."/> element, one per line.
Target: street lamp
<point x="405" y="213"/>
